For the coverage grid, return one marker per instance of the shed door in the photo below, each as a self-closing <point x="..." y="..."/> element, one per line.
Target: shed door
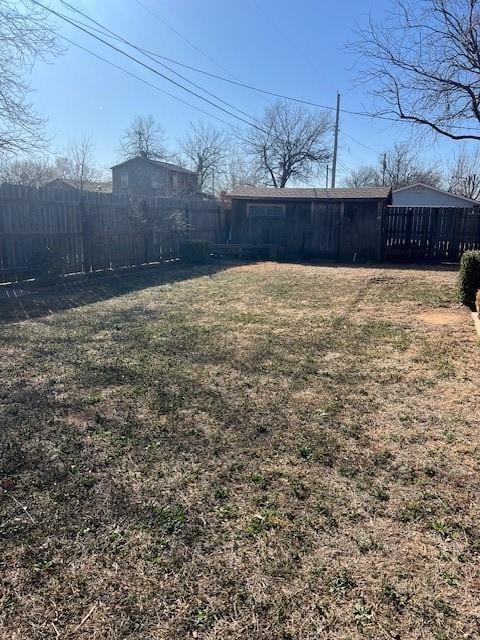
<point x="322" y="240"/>
<point x="359" y="236"/>
<point x="266" y="223"/>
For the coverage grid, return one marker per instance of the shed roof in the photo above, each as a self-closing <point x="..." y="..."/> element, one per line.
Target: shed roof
<point x="158" y="163"/>
<point x="421" y="185"/>
<point x="264" y="193"/>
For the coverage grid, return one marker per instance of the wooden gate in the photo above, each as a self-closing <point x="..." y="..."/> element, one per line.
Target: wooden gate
<point x="322" y="240"/>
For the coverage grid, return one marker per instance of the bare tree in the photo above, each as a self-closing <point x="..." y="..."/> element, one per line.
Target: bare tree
<point x="366" y="176"/>
<point x="423" y="64"/>
<point x="397" y="167"/>
<point x="205" y="150"/>
<point x="25" y="35"/>
<point x="31" y="172"/>
<point x="238" y="171"/>
<point x="464" y="174"/>
<point x="144" y="137"/>
<point x="401" y="166"/>
<point x="77" y="163"/>
<point x="289" y="144"/>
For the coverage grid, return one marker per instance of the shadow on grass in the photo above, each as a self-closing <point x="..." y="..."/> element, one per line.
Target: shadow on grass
<point x="20" y="302"/>
<point x="23" y="302"/>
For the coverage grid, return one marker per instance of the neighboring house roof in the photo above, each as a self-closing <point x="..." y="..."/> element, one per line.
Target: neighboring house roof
<point x="158" y="163"/>
<point x="362" y="193"/>
<point x="87" y="185"/>
<point x="416" y="185"/>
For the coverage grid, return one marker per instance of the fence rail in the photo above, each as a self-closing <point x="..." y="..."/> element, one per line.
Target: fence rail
<point x="97" y="230"/>
<point x="429" y="232"/>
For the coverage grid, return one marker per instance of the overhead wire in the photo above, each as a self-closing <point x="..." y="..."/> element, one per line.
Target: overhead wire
<point x="146" y="66"/>
<point x="106" y="31"/>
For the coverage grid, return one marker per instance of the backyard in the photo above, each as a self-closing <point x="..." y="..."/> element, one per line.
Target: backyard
<point x="265" y="451"/>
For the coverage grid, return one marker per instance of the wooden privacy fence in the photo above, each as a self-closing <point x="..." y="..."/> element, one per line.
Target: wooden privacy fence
<point x="97" y="231"/>
<point x="429" y="232"/>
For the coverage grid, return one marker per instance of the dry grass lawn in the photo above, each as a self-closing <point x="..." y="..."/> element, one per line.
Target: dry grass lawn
<point x="268" y="451"/>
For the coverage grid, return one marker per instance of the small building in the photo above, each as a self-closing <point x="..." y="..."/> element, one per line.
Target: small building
<point x="423" y="195"/>
<point x="147" y="178"/>
<point x="79" y="185"/>
<point x="344" y="224"/>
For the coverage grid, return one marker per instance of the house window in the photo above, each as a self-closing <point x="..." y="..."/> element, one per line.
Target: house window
<point x="175" y="181"/>
<point x="156" y="181"/>
<point x="124" y="179"/>
<point x="266" y="211"/>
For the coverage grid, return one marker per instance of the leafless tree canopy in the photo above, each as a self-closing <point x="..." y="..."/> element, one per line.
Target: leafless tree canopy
<point x="366" y="176"/>
<point x="289" y="145"/>
<point x="31" y="172"/>
<point x="398" y="167"/>
<point x="144" y="137"/>
<point x="205" y="150"/>
<point x="464" y="174"/>
<point x="424" y="65"/>
<point x="25" y="35"/>
<point x="78" y="163"/>
<point x="237" y="172"/>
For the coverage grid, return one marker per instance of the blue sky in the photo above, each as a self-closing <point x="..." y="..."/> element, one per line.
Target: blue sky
<point x="296" y="48"/>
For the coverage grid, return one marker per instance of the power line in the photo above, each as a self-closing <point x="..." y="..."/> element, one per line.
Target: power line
<point x="146" y="66"/>
<point x="150" y="84"/>
<point x="244" y="85"/>
<point x="105" y="30"/>
<point x="282" y="33"/>
<point x="189" y="42"/>
<point x="360" y="143"/>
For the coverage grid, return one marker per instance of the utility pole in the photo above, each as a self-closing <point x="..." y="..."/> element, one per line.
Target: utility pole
<point x="335" y="143"/>
<point x="384" y="169"/>
<point x="326" y="181"/>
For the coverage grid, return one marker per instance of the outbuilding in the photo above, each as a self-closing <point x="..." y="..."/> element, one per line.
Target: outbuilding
<point x="344" y="224"/>
<point x="423" y="195"/>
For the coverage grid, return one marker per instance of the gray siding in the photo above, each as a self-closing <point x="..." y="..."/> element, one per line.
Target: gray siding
<point x="418" y="196"/>
<point x="146" y="180"/>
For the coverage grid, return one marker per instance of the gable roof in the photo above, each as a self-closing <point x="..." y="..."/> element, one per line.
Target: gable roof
<point x="87" y="185"/>
<point x="157" y="163"/>
<point x="428" y="186"/>
<point x="360" y="193"/>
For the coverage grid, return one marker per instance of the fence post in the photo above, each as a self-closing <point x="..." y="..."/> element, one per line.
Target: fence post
<point x="380" y="229"/>
<point x="86" y="236"/>
<point x="148" y="231"/>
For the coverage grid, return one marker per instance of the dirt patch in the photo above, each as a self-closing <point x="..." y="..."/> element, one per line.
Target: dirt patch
<point x="439" y="317"/>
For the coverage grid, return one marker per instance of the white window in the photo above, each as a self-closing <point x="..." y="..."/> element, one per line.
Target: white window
<point x="124" y="179"/>
<point x="266" y="210"/>
<point x="175" y="181"/>
<point x="156" y="180"/>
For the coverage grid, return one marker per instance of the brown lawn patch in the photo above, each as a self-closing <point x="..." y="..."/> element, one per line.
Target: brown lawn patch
<point x="440" y="317"/>
<point x="268" y="451"/>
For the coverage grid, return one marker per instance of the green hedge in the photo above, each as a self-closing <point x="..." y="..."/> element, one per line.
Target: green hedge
<point x="469" y="277"/>
<point x="195" y="251"/>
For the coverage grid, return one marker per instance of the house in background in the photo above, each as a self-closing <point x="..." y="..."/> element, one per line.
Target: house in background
<point x="344" y="224"/>
<point x="147" y="178"/>
<point x="79" y="185"/>
<point x="422" y="195"/>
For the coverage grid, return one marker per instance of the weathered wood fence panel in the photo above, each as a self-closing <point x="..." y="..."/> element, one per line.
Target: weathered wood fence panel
<point x="429" y="232"/>
<point x="97" y="231"/>
<point x="323" y="238"/>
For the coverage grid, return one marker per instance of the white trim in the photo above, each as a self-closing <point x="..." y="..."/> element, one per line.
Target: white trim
<point x="264" y="206"/>
<point x="428" y="186"/>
